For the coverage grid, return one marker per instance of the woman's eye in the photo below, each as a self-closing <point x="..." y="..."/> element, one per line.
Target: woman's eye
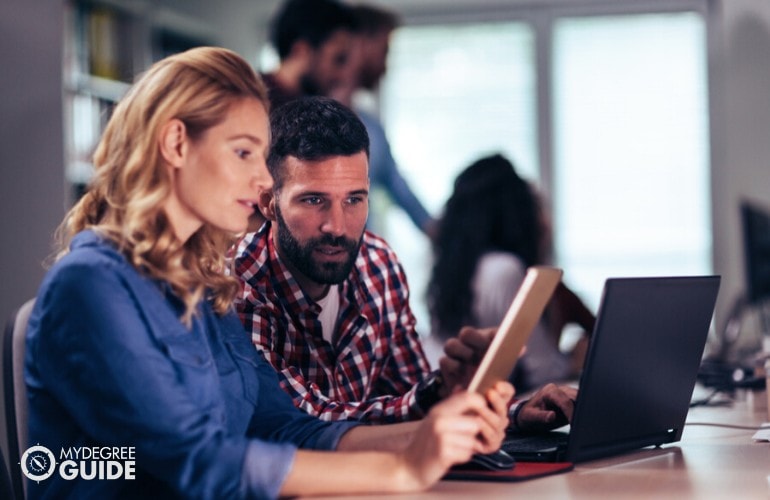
<point x="242" y="153"/>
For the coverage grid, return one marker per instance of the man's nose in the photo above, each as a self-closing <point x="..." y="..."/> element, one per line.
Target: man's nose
<point x="334" y="223"/>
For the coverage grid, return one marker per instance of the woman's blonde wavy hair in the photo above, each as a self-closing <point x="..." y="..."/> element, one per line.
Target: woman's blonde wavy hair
<point x="125" y="198"/>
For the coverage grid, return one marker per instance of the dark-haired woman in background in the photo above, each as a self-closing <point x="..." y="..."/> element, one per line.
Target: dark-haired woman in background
<point x="492" y="229"/>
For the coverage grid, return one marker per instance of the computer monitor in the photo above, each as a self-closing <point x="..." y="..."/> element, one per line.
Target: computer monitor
<point x="756" y="244"/>
<point x="721" y="368"/>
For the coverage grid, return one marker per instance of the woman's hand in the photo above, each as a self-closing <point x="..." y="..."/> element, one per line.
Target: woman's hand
<point x="455" y="429"/>
<point x="498" y="400"/>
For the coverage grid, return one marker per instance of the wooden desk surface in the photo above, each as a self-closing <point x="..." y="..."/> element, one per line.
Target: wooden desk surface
<point x="709" y="463"/>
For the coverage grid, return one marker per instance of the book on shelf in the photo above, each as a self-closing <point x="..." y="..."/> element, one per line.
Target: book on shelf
<point x="108" y="39"/>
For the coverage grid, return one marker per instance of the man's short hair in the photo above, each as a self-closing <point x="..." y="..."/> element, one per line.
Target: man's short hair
<point x="312" y="129"/>
<point x="313" y="21"/>
<point x="372" y="20"/>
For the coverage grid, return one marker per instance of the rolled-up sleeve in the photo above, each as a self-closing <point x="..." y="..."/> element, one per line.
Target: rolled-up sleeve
<point x="267" y="464"/>
<point x="265" y="468"/>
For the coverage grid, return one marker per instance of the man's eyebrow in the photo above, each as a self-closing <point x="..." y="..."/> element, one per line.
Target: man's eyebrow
<point x="358" y="192"/>
<point x="312" y="193"/>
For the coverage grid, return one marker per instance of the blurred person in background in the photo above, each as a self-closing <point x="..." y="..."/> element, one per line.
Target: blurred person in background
<point x="313" y="40"/>
<point x="373" y="29"/>
<point x="493" y="228"/>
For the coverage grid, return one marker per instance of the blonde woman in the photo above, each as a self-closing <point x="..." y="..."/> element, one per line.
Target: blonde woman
<point x="133" y="346"/>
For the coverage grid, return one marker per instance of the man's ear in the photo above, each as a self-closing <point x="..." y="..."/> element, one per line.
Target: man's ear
<point x="173" y="142"/>
<point x="266" y="202"/>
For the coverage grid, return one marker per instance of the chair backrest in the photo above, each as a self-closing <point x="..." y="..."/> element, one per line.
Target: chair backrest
<point x="6" y="489"/>
<point x="16" y="406"/>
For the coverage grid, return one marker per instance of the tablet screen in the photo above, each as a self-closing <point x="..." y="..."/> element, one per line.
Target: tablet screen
<point x="519" y="321"/>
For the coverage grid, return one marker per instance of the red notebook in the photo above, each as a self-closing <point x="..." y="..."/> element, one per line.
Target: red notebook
<point x="520" y="472"/>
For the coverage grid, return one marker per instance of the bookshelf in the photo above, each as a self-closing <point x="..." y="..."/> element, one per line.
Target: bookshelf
<point x="107" y="43"/>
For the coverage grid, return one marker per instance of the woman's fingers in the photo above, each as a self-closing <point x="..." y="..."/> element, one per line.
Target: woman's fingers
<point x="490" y="415"/>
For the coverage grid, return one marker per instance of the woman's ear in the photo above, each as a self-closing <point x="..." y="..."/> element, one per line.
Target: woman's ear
<point x="173" y="142"/>
<point x="266" y="203"/>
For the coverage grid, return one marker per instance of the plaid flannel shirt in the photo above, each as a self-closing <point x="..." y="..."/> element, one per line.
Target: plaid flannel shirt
<point x="372" y="370"/>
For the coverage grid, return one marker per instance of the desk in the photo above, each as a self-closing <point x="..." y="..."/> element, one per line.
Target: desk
<point x="709" y="463"/>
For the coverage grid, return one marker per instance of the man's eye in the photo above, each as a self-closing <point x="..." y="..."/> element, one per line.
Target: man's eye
<point x="312" y="200"/>
<point x="355" y="200"/>
<point x="341" y="59"/>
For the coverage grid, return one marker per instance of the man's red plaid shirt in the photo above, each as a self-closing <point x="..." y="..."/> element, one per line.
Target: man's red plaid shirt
<point x="372" y="370"/>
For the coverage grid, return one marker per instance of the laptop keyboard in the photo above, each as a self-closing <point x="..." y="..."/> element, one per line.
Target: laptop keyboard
<point x="534" y="442"/>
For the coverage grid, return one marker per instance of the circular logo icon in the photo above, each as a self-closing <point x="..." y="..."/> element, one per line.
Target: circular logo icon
<point x="38" y="463"/>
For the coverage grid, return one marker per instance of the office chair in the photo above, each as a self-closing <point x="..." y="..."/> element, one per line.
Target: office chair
<point x="6" y="488"/>
<point x="16" y="394"/>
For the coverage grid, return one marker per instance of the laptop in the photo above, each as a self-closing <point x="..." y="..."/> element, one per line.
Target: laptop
<point x="639" y="374"/>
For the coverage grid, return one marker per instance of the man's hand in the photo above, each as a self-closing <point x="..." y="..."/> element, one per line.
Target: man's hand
<point x="462" y="355"/>
<point x="551" y="407"/>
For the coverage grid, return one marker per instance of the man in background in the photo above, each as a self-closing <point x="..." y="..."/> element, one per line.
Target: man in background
<point x="313" y="39"/>
<point x="373" y="29"/>
<point x="331" y="49"/>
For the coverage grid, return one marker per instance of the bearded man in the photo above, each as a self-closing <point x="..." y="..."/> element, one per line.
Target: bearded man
<point x="327" y="303"/>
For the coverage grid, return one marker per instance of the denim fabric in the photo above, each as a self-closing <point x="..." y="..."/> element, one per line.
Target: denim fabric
<point x="109" y="363"/>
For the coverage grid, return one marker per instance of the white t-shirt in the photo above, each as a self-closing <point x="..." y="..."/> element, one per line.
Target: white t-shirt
<point x="330" y="310"/>
<point x="497" y="278"/>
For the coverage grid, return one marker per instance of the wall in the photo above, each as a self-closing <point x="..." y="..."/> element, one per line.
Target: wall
<point x="741" y="121"/>
<point x="31" y="146"/>
<point x="241" y="24"/>
<point x="31" y="143"/>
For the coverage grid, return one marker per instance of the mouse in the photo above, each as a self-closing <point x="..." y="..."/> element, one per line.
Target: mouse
<point x="496" y="461"/>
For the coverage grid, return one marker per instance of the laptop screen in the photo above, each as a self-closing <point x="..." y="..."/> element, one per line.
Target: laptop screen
<point x="642" y="364"/>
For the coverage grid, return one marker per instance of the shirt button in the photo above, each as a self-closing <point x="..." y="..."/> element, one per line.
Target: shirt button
<point x="340" y="378"/>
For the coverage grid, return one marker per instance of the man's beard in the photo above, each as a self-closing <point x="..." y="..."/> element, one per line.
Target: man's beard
<point x="301" y="256"/>
<point x="369" y="78"/>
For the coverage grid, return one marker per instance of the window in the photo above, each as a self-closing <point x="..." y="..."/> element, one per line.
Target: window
<point x="456" y="93"/>
<point x="629" y="176"/>
<point x="631" y="164"/>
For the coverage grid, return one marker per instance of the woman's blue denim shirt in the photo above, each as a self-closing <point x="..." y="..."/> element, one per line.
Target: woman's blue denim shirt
<point x="110" y="364"/>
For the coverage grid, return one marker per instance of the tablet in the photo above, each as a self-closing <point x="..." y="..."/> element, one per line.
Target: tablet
<point x="522" y="316"/>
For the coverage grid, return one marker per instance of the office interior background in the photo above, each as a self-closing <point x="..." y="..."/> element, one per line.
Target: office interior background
<point x="644" y="123"/>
